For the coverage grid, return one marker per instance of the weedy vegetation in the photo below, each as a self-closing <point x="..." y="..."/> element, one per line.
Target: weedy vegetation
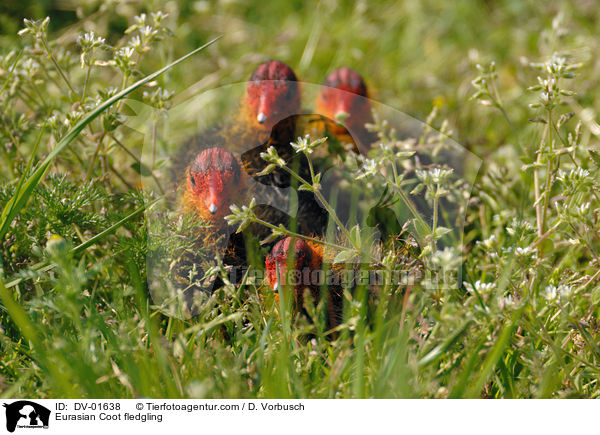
<point x="508" y="301"/>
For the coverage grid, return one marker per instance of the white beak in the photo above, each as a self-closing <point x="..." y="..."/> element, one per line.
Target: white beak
<point x="276" y="286"/>
<point x="261" y="118"/>
<point x="212" y="209"/>
<point x="341" y="116"/>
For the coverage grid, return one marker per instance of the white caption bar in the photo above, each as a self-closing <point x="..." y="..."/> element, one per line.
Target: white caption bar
<point x="283" y="417"/>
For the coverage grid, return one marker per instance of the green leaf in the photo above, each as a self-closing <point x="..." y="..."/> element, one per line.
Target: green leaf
<point x="440" y="232"/>
<point x="344" y="256"/>
<point x="418" y="188"/>
<point x="526" y="160"/>
<point x="355" y="234"/>
<point x="596" y="157"/>
<point x="141" y="169"/>
<point x="425" y="251"/>
<point x="268" y="169"/>
<point x="596" y="295"/>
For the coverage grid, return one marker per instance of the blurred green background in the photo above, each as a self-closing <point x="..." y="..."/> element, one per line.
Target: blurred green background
<point x="414" y="54"/>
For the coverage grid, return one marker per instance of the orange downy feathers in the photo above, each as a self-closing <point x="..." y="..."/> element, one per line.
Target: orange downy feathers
<point x="215" y="180"/>
<point x="307" y="262"/>
<point x="344" y="99"/>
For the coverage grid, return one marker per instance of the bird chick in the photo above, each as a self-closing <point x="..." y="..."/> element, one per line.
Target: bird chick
<point x="272" y="94"/>
<point x="343" y="101"/>
<point x="296" y="262"/>
<point x="300" y="265"/>
<point x="266" y="116"/>
<point x="215" y="180"/>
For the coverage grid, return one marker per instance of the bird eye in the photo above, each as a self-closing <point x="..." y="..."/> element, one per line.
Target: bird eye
<point x="192" y="180"/>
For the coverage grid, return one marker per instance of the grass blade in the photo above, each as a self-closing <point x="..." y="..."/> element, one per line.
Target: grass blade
<point x="77" y="249"/>
<point x="17" y="202"/>
<point x="12" y="69"/>
<point x="439" y="350"/>
<point x="494" y="355"/>
<point x="27" y="327"/>
<point x="27" y="169"/>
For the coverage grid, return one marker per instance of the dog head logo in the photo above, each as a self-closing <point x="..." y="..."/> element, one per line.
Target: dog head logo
<point x="26" y="414"/>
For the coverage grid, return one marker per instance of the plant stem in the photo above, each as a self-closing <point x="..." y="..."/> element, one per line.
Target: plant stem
<point x="590" y="247"/>
<point x="39" y="94"/>
<point x="536" y="187"/>
<point x="297" y="235"/>
<point x="323" y="201"/>
<point x="94" y="157"/>
<point x="435" y="218"/>
<point x="28" y="100"/>
<point x="138" y="161"/>
<point x="571" y="149"/>
<point x="10" y="73"/>
<point x="120" y="177"/>
<point x="500" y="107"/>
<point x="57" y="66"/>
<point x="406" y="199"/>
<point x="548" y="174"/>
<point x="154" y="126"/>
<point x="85" y="84"/>
<point x="545" y="235"/>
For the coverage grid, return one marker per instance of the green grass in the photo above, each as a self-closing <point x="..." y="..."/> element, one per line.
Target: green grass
<point x="76" y="317"/>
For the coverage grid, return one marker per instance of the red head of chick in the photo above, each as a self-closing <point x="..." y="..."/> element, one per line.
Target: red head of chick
<point x="215" y="180"/>
<point x="344" y="97"/>
<point x="272" y="94"/>
<point x="307" y="259"/>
